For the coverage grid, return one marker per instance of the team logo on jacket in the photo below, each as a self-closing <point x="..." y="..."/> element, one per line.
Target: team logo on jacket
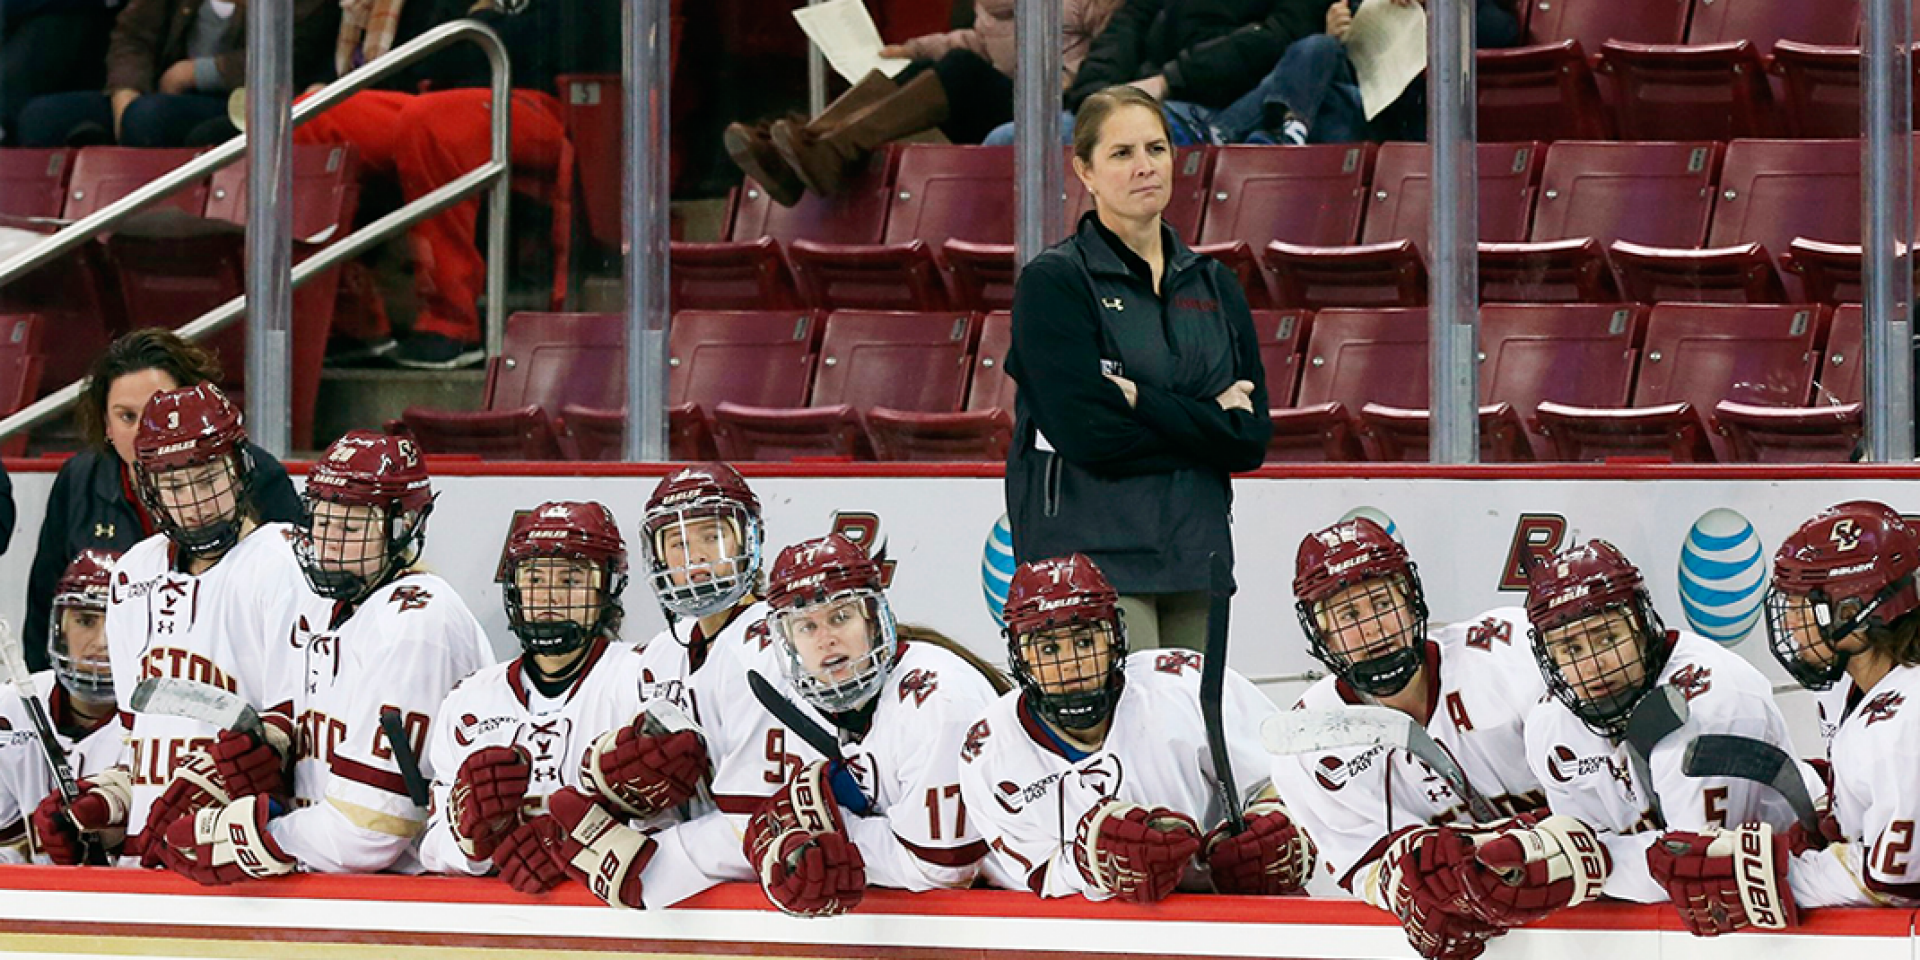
<point x="1692" y="680"/>
<point x="918" y="684"/>
<point x="1881" y="707"/>
<point x="1115" y="304"/>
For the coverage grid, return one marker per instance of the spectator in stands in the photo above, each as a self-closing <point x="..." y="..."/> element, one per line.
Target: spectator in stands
<point x="960" y="81"/>
<point x="1197" y="56"/>
<point x="50" y="46"/>
<point x="426" y="140"/>
<point x="1313" y="94"/>
<point x="93" y="504"/>
<point x="1141" y="386"/>
<point x="170" y="67"/>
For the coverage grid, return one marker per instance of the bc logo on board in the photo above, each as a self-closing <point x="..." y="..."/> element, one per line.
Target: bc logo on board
<point x="1723" y="576"/>
<point x="996" y="568"/>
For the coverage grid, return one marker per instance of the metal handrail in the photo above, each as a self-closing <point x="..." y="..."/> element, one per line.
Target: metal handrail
<point x="494" y="173"/>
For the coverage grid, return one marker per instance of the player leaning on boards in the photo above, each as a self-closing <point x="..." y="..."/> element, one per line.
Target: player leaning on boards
<point x="77" y="694"/>
<point x="1843" y="617"/>
<point x="207" y="600"/>
<point x="533" y="753"/>
<point x="1610" y="663"/>
<point x="1388" y="823"/>
<point x="375" y="636"/>
<point x="1094" y="776"/>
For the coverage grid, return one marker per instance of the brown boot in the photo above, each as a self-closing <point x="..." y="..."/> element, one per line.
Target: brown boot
<point x="753" y="152"/>
<point x="755" y="155"/>
<point x="825" y="160"/>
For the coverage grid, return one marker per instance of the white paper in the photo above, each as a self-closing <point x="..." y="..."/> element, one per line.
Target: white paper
<point x="846" y="36"/>
<point x="1388" y="46"/>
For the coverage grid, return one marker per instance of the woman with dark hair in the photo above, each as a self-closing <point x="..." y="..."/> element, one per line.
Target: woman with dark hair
<point x="93" y="504"/>
<point x="1141" y="387"/>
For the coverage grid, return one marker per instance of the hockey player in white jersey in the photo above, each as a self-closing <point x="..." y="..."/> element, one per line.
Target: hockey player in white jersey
<point x="376" y="636"/>
<point x="527" y="750"/>
<point x="208" y="599"/>
<point x="1603" y="650"/>
<point x="702" y="543"/>
<point x="1389" y="827"/>
<point x="1095" y="777"/>
<point x="1843" y="617"/>
<point x="78" y="696"/>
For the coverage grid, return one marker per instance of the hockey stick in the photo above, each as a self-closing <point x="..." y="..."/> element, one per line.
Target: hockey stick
<point x="403" y="756"/>
<point x="14" y="664"/>
<point x="1213" y="678"/>
<point x="1355" y="727"/>
<point x="1304" y="676"/>
<point x="1659" y="713"/>
<point x="790" y="716"/>
<point x="198" y="701"/>
<point x="1725" y="755"/>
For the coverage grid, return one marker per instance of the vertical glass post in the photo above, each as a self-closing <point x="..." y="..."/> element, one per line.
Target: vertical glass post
<point x="1886" y="109"/>
<point x="1040" y="203"/>
<point x="646" y="219"/>
<point x="270" y="224"/>
<point x="1454" y="234"/>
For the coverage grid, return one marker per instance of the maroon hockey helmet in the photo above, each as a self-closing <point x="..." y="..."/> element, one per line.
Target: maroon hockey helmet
<point x="1569" y="598"/>
<point x="1071" y="593"/>
<point x="372" y="470"/>
<point x="1851" y="567"/>
<point x="1347" y="554"/>
<point x="86" y="675"/>
<point x="566" y="530"/>
<point x="710" y="503"/>
<point x="828" y="572"/>
<point x="185" y="429"/>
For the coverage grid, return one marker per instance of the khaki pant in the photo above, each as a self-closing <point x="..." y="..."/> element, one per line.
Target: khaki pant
<point x="1156" y="620"/>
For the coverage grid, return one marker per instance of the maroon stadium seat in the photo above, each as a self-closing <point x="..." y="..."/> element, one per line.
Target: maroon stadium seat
<point x="1696" y="355"/>
<point x="940" y="193"/>
<point x="1353" y="357"/>
<point x="902" y="361"/>
<point x="1820" y="88"/>
<point x="983" y="274"/>
<point x="1545" y="90"/>
<point x="1771" y="192"/>
<point x="1568" y="353"/>
<point x="1828" y="430"/>
<point x="1281" y="334"/>
<point x="175" y="275"/>
<point x="1305" y="195"/>
<point x="20" y="366"/>
<point x="1386" y="268"/>
<point x="33" y="183"/>
<point x="749" y="270"/>
<point x="982" y="431"/>
<point x="548" y="360"/>
<point x="1591" y="194"/>
<point x="762" y="358"/>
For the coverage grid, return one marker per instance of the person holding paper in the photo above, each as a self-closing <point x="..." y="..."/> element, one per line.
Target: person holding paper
<point x="960" y="81"/>
<point x="1141" y="387"/>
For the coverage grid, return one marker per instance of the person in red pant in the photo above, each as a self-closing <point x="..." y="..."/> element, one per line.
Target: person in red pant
<point x="425" y="140"/>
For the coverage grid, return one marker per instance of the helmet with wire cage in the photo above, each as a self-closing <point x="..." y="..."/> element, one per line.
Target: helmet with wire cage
<point x="542" y="546"/>
<point x="1392" y="610"/>
<point x="1063" y="618"/>
<point x="1852" y="567"/>
<point x="384" y="479"/>
<point x="701" y="538"/>
<point x="816" y="588"/>
<point x="182" y="433"/>
<point x="1598" y="641"/>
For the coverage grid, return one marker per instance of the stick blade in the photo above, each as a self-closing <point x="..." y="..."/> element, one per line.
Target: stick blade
<point x="196" y="701"/>
<point x="1724" y="755"/>
<point x="1345" y="728"/>
<point x="1659" y="713"/>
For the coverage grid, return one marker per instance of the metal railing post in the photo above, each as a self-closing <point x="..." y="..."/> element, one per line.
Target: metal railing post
<point x="1454" y="227"/>
<point x="1040" y="198"/>
<point x="645" y="217"/>
<point x="1887" y="213"/>
<point x="270" y="225"/>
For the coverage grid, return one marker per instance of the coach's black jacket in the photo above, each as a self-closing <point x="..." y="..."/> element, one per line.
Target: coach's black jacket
<point x="1144" y="491"/>
<point x="90" y="509"/>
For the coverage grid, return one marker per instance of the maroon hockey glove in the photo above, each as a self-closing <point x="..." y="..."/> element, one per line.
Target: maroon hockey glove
<point x="196" y="785"/>
<point x="1726" y="880"/>
<point x="806" y="804"/>
<point x="1269" y="858"/>
<point x="1136" y="854"/>
<point x="598" y="850"/>
<point x="642" y="774"/>
<point x="525" y="856"/>
<point x="1418" y="882"/>
<point x="1521" y="874"/>
<point x="813" y="874"/>
<point x="222" y="845"/>
<point x="249" y="767"/>
<point x="485" y="800"/>
<point x="100" y="810"/>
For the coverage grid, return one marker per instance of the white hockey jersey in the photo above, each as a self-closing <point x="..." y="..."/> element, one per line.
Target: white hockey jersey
<point x="403" y="648"/>
<point x="1027" y="790"/>
<point x="1591" y="779"/>
<point x="1876" y="799"/>
<point x="25" y="778"/>
<point x="226" y="628"/>
<point x="498" y="707"/>
<point x="1484" y="681"/>
<point x="918" y="835"/>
